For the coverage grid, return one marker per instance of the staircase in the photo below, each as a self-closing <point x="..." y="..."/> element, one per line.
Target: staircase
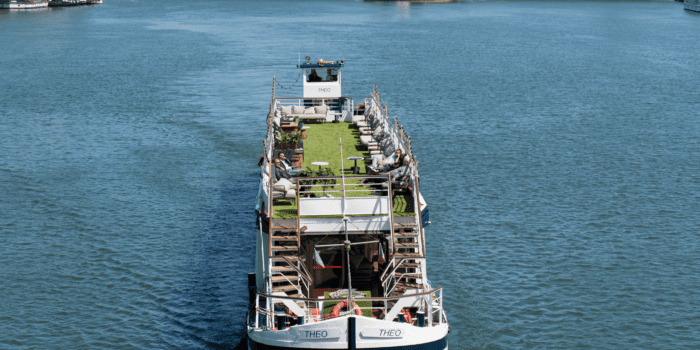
<point x="407" y="246"/>
<point x="407" y="240"/>
<point x="286" y="270"/>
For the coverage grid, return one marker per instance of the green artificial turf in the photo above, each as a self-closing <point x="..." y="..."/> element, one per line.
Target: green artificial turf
<point x="323" y="145"/>
<point x="403" y="205"/>
<point x="328" y="305"/>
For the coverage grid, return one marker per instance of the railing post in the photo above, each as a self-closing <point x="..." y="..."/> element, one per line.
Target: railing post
<point x="391" y="214"/>
<point x="442" y="309"/>
<point x="270" y="316"/>
<point x="257" y="311"/>
<point x="430" y="310"/>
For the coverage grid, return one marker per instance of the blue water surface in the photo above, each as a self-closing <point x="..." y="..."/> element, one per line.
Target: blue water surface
<point x="559" y="148"/>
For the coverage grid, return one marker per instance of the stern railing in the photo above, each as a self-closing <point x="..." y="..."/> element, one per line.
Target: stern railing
<point x="306" y="310"/>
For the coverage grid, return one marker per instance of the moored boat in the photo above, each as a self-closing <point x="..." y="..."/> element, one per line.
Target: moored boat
<point x="340" y="252"/>
<point x="23" y="4"/>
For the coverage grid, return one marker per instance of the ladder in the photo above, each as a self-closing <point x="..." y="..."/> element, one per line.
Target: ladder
<point x="287" y="273"/>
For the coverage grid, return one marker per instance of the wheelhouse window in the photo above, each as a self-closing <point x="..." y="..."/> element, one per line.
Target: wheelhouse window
<point x="318" y="75"/>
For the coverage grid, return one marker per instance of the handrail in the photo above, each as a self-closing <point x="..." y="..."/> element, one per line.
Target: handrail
<point x="360" y="299"/>
<point x="288" y="280"/>
<point x="393" y="271"/>
<point x="395" y="284"/>
<point x="306" y="98"/>
<point x="347" y="177"/>
<point x="332" y="191"/>
<point x="305" y="270"/>
<point x="308" y="278"/>
<point x="331" y="185"/>
<point x="381" y="278"/>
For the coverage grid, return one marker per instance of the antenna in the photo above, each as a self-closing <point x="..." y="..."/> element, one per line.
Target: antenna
<point x="345" y="222"/>
<point x="342" y="173"/>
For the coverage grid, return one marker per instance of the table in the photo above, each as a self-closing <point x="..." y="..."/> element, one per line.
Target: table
<point x="320" y="164"/>
<point x="289" y="127"/>
<point x="355" y="169"/>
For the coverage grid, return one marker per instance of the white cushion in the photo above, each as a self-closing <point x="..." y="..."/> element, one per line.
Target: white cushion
<point x="276" y="121"/>
<point x="283" y="185"/>
<point x="287" y="110"/>
<point x="298" y="109"/>
<point x="291" y="194"/>
<point x="321" y="109"/>
<point x="310" y="110"/>
<point x="366" y="139"/>
<point x="389" y="151"/>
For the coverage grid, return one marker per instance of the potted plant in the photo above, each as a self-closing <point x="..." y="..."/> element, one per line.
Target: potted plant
<point x="311" y="178"/>
<point x="288" y="140"/>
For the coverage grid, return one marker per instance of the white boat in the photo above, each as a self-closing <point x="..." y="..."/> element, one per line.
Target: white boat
<point x="333" y="235"/>
<point x="23" y="4"/>
<point x="60" y="3"/>
<point x="692" y="5"/>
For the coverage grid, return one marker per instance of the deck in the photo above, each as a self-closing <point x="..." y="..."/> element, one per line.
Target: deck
<point x="322" y="145"/>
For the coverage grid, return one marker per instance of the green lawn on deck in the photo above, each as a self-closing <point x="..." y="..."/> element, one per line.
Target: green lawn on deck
<point x="323" y="145"/>
<point x="329" y="305"/>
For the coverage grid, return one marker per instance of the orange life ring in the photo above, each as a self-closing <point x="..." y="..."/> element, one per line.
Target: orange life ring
<point x="407" y="315"/>
<point x="336" y="309"/>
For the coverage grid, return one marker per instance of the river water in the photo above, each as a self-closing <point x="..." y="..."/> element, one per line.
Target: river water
<point x="559" y="148"/>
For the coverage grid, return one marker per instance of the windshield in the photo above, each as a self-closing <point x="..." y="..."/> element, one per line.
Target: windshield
<point x="321" y="75"/>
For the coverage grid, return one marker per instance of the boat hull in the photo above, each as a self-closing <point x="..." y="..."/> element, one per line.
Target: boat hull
<point x="440" y="344"/>
<point x="692" y="5"/>
<point x="24" y="5"/>
<point x="367" y="333"/>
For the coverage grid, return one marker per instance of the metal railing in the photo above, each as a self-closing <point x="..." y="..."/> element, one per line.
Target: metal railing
<point x="300" y="269"/>
<point x="306" y="310"/>
<point x="389" y="280"/>
<point x="310" y="185"/>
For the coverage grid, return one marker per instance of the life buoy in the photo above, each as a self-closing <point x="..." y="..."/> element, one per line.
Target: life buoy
<point x="407" y="315"/>
<point x="336" y="309"/>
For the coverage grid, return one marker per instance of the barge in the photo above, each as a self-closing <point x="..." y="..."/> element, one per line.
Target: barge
<point x="340" y="248"/>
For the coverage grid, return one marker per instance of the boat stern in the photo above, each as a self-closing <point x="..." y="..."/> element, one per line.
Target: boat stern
<point x="352" y="332"/>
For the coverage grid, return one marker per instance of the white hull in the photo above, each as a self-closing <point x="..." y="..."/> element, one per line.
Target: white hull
<point x="370" y="333"/>
<point x="692" y="5"/>
<point x="74" y="2"/>
<point x="24" y="6"/>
